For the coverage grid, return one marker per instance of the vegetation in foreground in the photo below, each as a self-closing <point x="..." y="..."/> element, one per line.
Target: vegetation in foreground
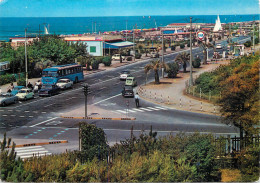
<point x="180" y="158"/>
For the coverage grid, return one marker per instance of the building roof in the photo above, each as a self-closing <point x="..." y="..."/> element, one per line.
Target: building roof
<point x="117" y="45"/>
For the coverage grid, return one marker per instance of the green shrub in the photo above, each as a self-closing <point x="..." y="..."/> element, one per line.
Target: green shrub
<point x="107" y="61"/>
<point x="172" y="69"/>
<point x="188" y="44"/>
<point x="196" y="63"/>
<point x="21" y="82"/>
<point x="129" y="58"/>
<point x="7" y="78"/>
<point x="173" y="48"/>
<point x="138" y="55"/>
<point x="256" y="40"/>
<point x="182" y="46"/>
<point x="94" y="64"/>
<point x="248" y="44"/>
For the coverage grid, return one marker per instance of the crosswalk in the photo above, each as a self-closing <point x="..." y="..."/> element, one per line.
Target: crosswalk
<point x="141" y="109"/>
<point x="27" y="152"/>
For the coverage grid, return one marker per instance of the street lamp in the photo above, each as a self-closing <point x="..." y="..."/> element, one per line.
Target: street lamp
<point x="25" y="54"/>
<point x="191" y="79"/>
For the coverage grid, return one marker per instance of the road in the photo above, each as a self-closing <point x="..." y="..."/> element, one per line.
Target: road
<point x="39" y="120"/>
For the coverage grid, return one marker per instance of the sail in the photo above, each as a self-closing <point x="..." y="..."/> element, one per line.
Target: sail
<point x="217" y="26"/>
<point x="46" y="30"/>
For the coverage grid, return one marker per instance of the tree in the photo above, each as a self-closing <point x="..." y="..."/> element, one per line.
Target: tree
<point x="172" y="69"/>
<point x="240" y="97"/>
<point x="7" y="157"/>
<point x="196" y="62"/>
<point x="93" y="142"/>
<point x="155" y="65"/>
<point x="205" y="46"/>
<point x="183" y="58"/>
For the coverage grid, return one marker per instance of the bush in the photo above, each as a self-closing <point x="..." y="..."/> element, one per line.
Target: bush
<point x="172" y="70"/>
<point x="173" y="48"/>
<point x="138" y="56"/>
<point x="107" y="61"/>
<point x="7" y="78"/>
<point x="196" y="63"/>
<point x="182" y="46"/>
<point x="94" y="64"/>
<point x="21" y="82"/>
<point x="129" y="58"/>
<point x="256" y="40"/>
<point x="188" y="44"/>
<point x="248" y="44"/>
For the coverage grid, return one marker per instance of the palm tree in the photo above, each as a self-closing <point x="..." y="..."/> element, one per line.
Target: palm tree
<point x="183" y="58"/>
<point x="155" y="65"/>
<point x="205" y="46"/>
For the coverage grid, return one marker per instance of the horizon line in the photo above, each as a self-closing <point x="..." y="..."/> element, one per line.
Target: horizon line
<point x="122" y="16"/>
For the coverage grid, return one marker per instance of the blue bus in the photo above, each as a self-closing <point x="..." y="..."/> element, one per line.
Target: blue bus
<point x="51" y="75"/>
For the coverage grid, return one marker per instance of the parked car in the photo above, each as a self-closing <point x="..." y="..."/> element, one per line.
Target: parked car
<point x="124" y="75"/>
<point x="130" y="81"/>
<point x="218" y="46"/>
<point x="117" y="57"/>
<point x="7" y="98"/>
<point x="154" y="55"/>
<point x="49" y="90"/>
<point x="16" y="89"/>
<point x="25" y="94"/>
<point x="128" y="91"/>
<point x="64" y="83"/>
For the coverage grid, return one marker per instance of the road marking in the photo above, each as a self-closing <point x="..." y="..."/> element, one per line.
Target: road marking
<point x="160" y="108"/>
<point x="26" y="111"/>
<point x="49" y="105"/>
<point x="43" y="122"/>
<point x="44" y="112"/>
<point x="121" y="111"/>
<point x="131" y="110"/>
<point x="153" y="108"/>
<point x="138" y="110"/>
<point x="4" y="115"/>
<point x="145" y="109"/>
<point x="21" y="116"/>
<point x="107" y="99"/>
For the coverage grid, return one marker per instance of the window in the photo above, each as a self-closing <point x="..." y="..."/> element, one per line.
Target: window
<point x="92" y="49"/>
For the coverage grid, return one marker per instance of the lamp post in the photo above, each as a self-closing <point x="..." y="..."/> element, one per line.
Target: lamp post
<point x="134" y="42"/>
<point x="25" y="54"/>
<point x="191" y="80"/>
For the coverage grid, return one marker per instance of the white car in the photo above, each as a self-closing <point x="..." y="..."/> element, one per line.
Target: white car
<point x="154" y="55"/>
<point x="64" y="83"/>
<point x="124" y="75"/>
<point x="25" y="94"/>
<point x="117" y="57"/>
<point x="218" y="46"/>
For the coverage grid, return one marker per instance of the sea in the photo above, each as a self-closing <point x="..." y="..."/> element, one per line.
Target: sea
<point x="15" y="26"/>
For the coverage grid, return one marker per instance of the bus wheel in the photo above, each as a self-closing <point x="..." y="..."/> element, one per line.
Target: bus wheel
<point x="76" y="80"/>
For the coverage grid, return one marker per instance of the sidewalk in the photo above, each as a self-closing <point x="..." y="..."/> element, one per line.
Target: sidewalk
<point x="171" y="92"/>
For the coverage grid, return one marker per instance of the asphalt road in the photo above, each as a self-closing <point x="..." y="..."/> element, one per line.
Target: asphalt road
<point x="39" y="119"/>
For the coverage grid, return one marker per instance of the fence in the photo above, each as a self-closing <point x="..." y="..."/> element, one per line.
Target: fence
<point x="185" y="104"/>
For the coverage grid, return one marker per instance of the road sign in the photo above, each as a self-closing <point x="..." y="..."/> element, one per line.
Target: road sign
<point x="200" y="35"/>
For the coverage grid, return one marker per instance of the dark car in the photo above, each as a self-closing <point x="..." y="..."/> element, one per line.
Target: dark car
<point x="128" y="91"/>
<point x="49" y="90"/>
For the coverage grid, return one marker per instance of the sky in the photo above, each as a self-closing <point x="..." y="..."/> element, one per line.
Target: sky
<point x="97" y="8"/>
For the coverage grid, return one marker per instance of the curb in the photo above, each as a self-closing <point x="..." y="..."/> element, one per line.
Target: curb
<point x="40" y="143"/>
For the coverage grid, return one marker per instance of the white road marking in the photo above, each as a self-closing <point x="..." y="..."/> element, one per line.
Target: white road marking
<point x="145" y="109"/>
<point x="121" y="111"/>
<point x="131" y="110"/>
<point x="21" y="116"/>
<point x="153" y="108"/>
<point x="161" y="108"/>
<point x="4" y="115"/>
<point x="44" y="122"/>
<point x="137" y="110"/>
<point x="107" y="99"/>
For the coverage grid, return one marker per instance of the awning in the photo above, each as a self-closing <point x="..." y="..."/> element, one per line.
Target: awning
<point x="118" y="45"/>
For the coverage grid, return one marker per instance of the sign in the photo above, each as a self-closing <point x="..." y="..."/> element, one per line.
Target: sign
<point x="200" y="35"/>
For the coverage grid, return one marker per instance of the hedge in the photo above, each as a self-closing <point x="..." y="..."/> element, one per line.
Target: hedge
<point x="182" y="46"/>
<point x="107" y="61"/>
<point x="7" y="78"/>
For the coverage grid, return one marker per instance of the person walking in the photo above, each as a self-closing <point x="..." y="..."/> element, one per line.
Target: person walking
<point x="137" y="100"/>
<point x="10" y="88"/>
<point x="30" y="85"/>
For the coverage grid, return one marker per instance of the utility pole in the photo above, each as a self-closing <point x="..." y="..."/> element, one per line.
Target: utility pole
<point x="162" y="55"/>
<point x="254" y="35"/>
<point x="191" y="80"/>
<point x="95" y="27"/>
<point x="26" y="69"/>
<point x="85" y="90"/>
<point x="126" y="31"/>
<point x="229" y="36"/>
<point x="134" y="41"/>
